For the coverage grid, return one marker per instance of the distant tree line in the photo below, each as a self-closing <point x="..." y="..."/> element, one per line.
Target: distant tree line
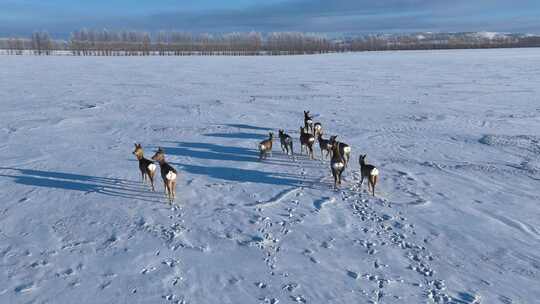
<point x="128" y="43"/>
<point x="170" y="43"/>
<point x="40" y="43"/>
<point x="437" y="41"/>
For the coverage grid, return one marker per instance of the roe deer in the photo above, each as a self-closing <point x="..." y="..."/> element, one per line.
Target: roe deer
<point x="147" y="167"/>
<point x="325" y="145"/>
<point x="286" y="142"/>
<point x="369" y="171"/>
<point x="308" y="122"/>
<point x="168" y="173"/>
<point x="337" y="165"/>
<point x="306" y="140"/>
<point x="265" y="146"/>
<point x="317" y="129"/>
<point x="344" y="149"/>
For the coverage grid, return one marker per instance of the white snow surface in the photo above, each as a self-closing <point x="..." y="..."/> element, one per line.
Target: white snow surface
<point x="455" y="135"/>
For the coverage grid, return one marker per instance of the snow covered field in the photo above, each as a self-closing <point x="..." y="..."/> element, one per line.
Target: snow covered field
<point x="455" y="134"/>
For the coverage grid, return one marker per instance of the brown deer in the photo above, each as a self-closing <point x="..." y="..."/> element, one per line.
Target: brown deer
<point x="308" y="122"/>
<point x="306" y="141"/>
<point x="147" y="167"/>
<point x="265" y="146"/>
<point x="337" y="165"/>
<point x="325" y="145"/>
<point x="286" y="142"/>
<point x="168" y="173"/>
<point x="369" y="171"/>
<point x="317" y="129"/>
<point x="344" y="149"/>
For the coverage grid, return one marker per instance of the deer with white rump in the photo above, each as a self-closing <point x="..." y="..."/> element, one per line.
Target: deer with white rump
<point x="370" y="172"/>
<point x="168" y="173"/>
<point x="317" y="129"/>
<point x="344" y="149"/>
<point x="147" y="167"/>
<point x="306" y="141"/>
<point x="337" y="165"/>
<point x="265" y="146"/>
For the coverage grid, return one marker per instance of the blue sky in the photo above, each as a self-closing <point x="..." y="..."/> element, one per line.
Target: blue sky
<point x="332" y="16"/>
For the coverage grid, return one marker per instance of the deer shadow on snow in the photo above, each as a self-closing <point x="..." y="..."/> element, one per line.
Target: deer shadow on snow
<point x="248" y="127"/>
<point x="242" y="134"/>
<point x="242" y="175"/>
<point x="213" y="152"/>
<point x="208" y="151"/>
<point x="87" y="184"/>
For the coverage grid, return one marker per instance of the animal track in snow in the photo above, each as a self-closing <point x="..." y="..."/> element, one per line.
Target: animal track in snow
<point x="23" y="288"/>
<point x="382" y="229"/>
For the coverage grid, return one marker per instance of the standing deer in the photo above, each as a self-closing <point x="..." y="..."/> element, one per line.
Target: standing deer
<point x="325" y="145"/>
<point x="308" y="122"/>
<point x="306" y="141"/>
<point x="168" y="173"/>
<point x="369" y="171"/>
<point x="147" y="167"/>
<point x="337" y="165"/>
<point x="344" y="149"/>
<point x="286" y="142"/>
<point x="265" y="146"/>
<point x="317" y="129"/>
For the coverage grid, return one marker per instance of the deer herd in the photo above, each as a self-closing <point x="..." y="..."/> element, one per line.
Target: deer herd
<point x="310" y="133"/>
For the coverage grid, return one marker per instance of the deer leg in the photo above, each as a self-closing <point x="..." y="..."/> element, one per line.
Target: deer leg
<point x="171" y="191"/>
<point x="169" y="186"/>
<point x="370" y="184"/>
<point x="151" y="177"/>
<point x="174" y="190"/>
<point x="165" y="186"/>
<point x="374" y="183"/>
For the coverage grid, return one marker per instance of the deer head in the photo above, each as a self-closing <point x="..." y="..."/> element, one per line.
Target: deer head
<point x="138" y="152"/>
<point x="159" y="155"/>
